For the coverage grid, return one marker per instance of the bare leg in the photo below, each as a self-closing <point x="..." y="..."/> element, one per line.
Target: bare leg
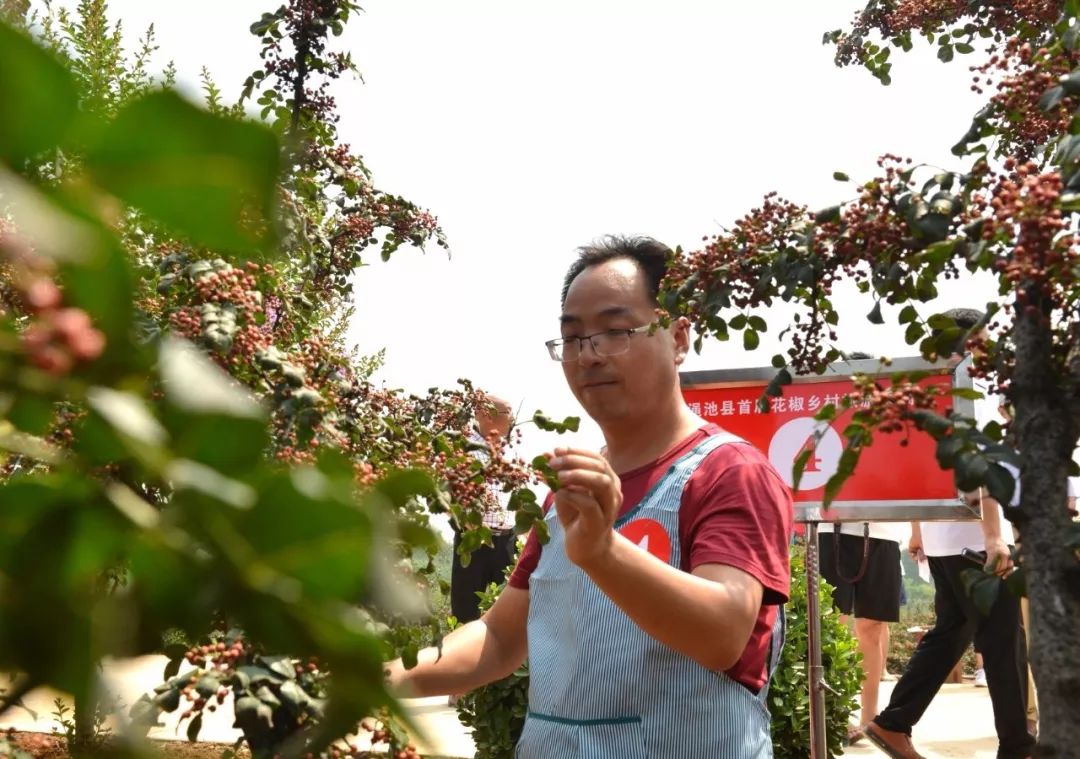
<point x="870" y="634"/>
<point x="885" y="650"/>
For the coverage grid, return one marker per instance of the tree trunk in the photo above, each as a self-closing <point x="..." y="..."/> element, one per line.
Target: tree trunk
<point x="1047" y="435"/>
<point x="85" y="726"/>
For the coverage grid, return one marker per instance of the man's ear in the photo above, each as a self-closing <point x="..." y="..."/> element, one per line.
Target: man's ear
<point x="680" y="330"/>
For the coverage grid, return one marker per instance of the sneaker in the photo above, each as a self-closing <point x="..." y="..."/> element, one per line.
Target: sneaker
<point x="980" y="678"/>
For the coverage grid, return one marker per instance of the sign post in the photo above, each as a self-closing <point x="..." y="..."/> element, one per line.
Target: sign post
<point x="894" y="482"/>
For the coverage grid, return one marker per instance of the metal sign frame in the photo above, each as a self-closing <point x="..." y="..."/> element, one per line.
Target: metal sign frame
<point x="949" y="509"/>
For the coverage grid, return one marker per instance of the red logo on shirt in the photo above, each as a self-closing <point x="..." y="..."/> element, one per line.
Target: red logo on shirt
<point x="649" y="535"/>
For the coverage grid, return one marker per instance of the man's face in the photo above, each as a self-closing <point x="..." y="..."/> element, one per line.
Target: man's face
<point x="493" y="417"/>
<point x="614" y="296"/>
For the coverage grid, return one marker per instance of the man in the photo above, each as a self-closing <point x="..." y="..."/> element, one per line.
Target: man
<point x="487" y="564"/>
<point x="652" y="617"/>
<point x="998" y="635"/>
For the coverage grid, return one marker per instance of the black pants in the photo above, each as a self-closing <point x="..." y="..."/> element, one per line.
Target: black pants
<point x="487" y="565"/>
<point x="999" y="639"/>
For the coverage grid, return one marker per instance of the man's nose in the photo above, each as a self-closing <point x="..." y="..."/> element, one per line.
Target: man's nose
<point x="587" y="355"/>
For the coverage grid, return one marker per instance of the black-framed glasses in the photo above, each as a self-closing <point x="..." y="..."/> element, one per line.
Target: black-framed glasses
<point x="610" y="342"/>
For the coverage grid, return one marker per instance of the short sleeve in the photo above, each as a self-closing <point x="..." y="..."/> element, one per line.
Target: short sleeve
<point x="740" y="514"/>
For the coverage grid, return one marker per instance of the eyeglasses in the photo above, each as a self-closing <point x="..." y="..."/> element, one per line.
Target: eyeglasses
<point x="610" y="342"/>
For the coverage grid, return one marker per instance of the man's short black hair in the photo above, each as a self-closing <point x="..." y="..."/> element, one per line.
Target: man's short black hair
<point x="966" y="319"/>
<point x="651" y="255"/>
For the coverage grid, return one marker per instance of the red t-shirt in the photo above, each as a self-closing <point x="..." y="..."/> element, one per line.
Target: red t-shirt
<point x="736" y="510"/>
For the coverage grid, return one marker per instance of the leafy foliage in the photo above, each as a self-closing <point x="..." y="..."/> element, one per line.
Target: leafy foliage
<point x="188" y="443"/>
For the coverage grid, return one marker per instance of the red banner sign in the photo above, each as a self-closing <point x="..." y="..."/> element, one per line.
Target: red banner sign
<point x="887" y="471"/>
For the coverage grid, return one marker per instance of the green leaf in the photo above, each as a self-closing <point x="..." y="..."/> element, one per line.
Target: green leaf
<point x="913" y="333"/>
<point x="826" y="414"/>
<point x="187" y="475"/>
<point x="403" y="486"/>
<point x="799" y="467"/>
<point x="294" y="696"/>
<point x="544" y="422"/>
<point x="840" y="176"/>
<point x="826" y="215"/>
<point x="1016" y="582"/>
<point x="40" y="98"/>
<point x="908" y="314"/>
<point x="1071" y="83"/>
<point x="778" y="361"/>
<point x="207" y="686"/>
<point x="849" y="458"/>
<point x="939" y="253"/>
<point x="541" y="465"/>
<point x="1001" y="484"/>
<point x="249" y="675"/>
<point x="194" y="384"/>
<point x="971" y="471"/>
<point x="982" y="587"/>
<point x="1051" y="98"/>
<point x="738" y="322"/>
<point x="751" y="340"/>
<point x="874" y="317"/>
<point x="967" y="393"/>
<point x="963" y="47"/>
<point x="281" y="665"/>
<point x="945" y="53"/>
<point x="207" y="177"/>
<point x="31" y="414"/>
<point x="757" y="323"/>
<point x="128" y="415"/>
<point x="933" y="226"/>
<point x="782" y="378"/>
<point x="947" y="449"/>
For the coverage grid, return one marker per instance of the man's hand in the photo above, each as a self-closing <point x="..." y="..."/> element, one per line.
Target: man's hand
<point x="587" y="503"/>
<point x="998" y="557"/>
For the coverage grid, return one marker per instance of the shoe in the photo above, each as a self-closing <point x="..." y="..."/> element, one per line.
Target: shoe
<point x="854" y="735"/>
<point x="895" y="745"/>
<point x="980" y="678"/>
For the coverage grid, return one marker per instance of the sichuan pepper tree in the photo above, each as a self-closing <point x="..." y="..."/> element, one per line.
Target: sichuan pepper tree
<point x="1008" y="207"/>
<point x="175" y="287"/>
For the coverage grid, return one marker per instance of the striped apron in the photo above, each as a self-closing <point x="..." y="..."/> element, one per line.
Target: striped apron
<point x="602" y="688"/>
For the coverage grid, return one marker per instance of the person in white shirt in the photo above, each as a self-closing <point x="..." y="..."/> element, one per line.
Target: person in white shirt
<point x="959" y="622"/>
<point x="862" y="563"/>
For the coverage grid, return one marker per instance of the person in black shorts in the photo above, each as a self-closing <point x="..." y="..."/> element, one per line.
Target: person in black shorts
<point x="867" y="590"/>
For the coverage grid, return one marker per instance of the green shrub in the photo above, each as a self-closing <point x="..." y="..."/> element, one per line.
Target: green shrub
<point x="789" y="694"/>
<point x="496" y="712"/>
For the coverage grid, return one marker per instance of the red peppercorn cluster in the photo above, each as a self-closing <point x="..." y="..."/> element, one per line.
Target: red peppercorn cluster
<point x="57" y="338"/>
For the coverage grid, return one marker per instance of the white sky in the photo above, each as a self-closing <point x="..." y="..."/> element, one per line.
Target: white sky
<point x="529" y="129"/>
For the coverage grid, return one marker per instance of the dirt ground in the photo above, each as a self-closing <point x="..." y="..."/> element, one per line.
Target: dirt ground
<point x="46" y="746"/>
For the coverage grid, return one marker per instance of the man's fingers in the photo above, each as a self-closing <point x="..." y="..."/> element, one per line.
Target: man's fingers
<point x="571" y="504"/>
<point x="577" y="460"/>
<point x="594" y="482"/>
<point x="571" y="451"/>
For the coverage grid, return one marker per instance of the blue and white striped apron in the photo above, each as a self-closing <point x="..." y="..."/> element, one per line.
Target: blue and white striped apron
<point x="602" y="688"/>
